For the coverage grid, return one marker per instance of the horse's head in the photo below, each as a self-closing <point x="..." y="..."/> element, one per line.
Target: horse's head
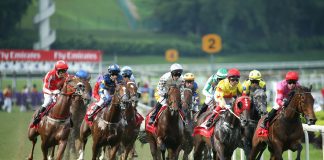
<point x="187" y="99"/>
<point x="132" y="89"/>
<point x="73" y="86"/>
<point x="174" y="98"/>
<point x="259" y="101"/>
<point x="242" y="108"/>
<point x="302" y="101"/>
<point x="121" y="95"/>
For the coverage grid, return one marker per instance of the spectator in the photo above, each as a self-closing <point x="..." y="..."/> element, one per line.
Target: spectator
<point x="23" y="99"/>
<point x="35" y="98"/>
<point x="7" y="93"/>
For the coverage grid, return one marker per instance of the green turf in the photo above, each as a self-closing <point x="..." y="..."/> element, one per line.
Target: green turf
<point x="81" y="14"/>
<point x="16" y="146"/>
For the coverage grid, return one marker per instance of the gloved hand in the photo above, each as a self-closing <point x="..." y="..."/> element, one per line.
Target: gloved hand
<point x="165" y="95"/>
<point x="228" y="106"/>
<point x="285" y="102"/>
<point x="56" y="92"/>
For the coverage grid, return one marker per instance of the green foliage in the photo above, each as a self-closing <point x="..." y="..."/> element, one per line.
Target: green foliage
<point x="10" y="15"/>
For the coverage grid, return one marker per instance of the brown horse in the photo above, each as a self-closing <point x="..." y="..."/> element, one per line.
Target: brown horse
<point x="187" y="144"/>
<point x="78" y="110"/>
<point x="106" y="128"/>
<point x="130" y="127"/>
<point x="286" y="131"/>
<point x="169" y="131"/>
<point x="227" y="131"/>
<point x="54" y="129"/>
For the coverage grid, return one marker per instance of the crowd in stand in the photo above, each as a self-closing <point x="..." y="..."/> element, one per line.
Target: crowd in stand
<point x="26" y="99"/>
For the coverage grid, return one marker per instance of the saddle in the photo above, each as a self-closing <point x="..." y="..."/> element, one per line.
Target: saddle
<point x="152" y="128"/>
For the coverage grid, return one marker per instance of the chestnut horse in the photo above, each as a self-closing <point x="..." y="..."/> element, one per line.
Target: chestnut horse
<point x="130" y="128"/>
<point x="54" y="129"/>
<point x="106" y="128"/>
<point x="78" y="110"/>
<point x="227" y="131"/>
<point x="169" y="131"/>
<point x="258" y="109"/>
<point x="187" y="142"/>
<point x="286" y="130"/>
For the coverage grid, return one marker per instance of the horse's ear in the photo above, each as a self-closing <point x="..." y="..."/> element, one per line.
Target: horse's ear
<point x="310" y="88"/>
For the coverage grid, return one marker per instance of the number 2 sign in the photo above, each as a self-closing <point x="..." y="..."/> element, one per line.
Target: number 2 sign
<point x="211" y="43"/>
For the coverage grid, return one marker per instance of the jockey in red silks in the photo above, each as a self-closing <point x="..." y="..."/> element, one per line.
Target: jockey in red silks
<point x="52" y="85"/>
<point x="283" y="88"/>
<point x="95" y="93"/>
<point x="225" y="92"/>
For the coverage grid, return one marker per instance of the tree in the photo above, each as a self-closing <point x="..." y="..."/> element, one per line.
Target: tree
<point x="10" y="14"/>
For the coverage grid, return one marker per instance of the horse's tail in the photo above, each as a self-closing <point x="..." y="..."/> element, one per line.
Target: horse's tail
<point x="142" y="137"/>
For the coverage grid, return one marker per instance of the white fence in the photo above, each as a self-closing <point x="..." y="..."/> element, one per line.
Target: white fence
<point x="143" y="109"/>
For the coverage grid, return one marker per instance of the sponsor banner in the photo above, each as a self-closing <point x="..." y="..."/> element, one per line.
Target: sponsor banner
<point x="51" y="55"/>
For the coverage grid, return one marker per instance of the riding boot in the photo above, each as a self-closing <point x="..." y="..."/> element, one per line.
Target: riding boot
<point x="202" y="110"/>
<point x="94" y="110"/>
<point x="268" y="118"/>
<point x="156" y="111"/>
<point x="37" y="118"/>
<point x="210" y="121"/>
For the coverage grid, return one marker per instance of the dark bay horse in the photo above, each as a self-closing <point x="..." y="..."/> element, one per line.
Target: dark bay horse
<point x="285" y="130"/>
<point x="258" y="109"/>
<point x="169" y="131"/>
<point x="54" y="129"/>
<point x="106" y="129"/>
<point x="187" y="142"/>
<point x="78" y="110"/>
<point x="227" y="131"/>
<point x="130" y="127"/>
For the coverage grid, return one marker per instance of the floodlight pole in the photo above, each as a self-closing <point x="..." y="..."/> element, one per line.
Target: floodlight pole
<point x="42" y="19"/>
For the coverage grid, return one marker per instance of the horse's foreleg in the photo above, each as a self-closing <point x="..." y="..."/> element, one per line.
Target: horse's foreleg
<point x="112" y="152"/>
<point x="31" y="155"/>
<point x="299" y="149"/>
<point x="44" y="150"/>
<point x="199" y="146"/>
<point x="84" y="133"/>
<point x="126" y="152"/>
<point x="60" y="149"/>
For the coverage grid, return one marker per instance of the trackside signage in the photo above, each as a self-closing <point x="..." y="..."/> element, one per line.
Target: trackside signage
<point x="51" y="55"/>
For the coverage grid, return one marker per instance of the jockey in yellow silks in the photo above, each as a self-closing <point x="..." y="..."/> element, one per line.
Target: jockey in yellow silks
<point x="226" y="90"/>
<point x="255" y="79"/>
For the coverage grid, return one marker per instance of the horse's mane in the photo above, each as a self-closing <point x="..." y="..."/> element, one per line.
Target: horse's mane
<point x="298" y="89"/>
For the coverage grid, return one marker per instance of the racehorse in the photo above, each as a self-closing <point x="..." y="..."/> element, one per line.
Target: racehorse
<point x="258" y="109"/>
<point x="169" y="130"/>
<point x="285" y="130"/>
<point x="106" y="128"/>
<point x="187" y="144"/>
<point x="226" y="131"/>
<point x="78" y="110"/>
<point x="130" y="126"/>
<point x="54" y="129"/>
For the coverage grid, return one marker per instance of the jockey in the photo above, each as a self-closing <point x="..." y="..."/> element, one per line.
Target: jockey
<point x="209" y="88"/>
<point x="127" y="72"/>
<point x="52" y="85"/>
<point x="189" y="79"/>
<point x="107" y="88"/>
<point x="170" y="78"/>
<point x="226" y="90"/>
<point x="95" y="93"/>
<point x="255" y="79"/>
<point x="83" y="75"/>
<point x="283" y="88"/>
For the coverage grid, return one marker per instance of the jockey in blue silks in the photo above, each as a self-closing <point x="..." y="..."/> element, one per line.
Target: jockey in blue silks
<point x="107" y="88"/>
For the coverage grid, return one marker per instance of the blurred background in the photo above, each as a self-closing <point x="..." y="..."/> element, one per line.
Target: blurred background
<point x="271" y="36"/>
